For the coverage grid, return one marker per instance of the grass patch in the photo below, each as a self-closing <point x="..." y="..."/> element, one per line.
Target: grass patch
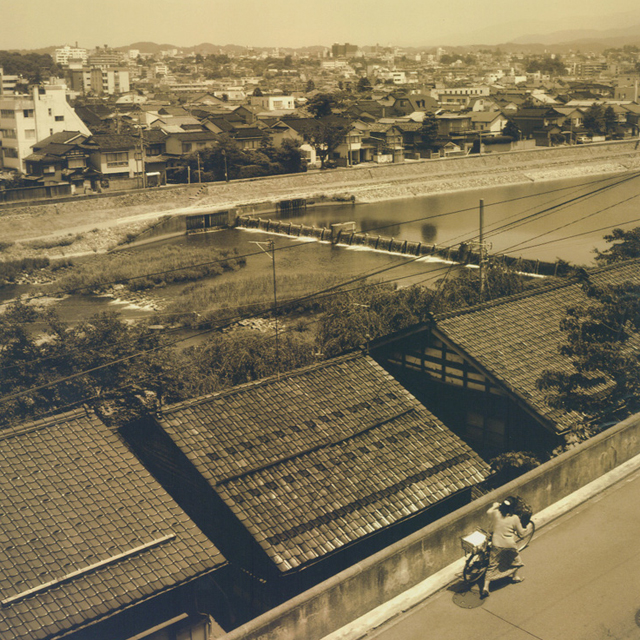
<point x="11" y="270"/>
<point x="218" y="302"/>
<point x="63" y="241"/>
<point x="6" y="245"/>
<point x="159" y="266"/>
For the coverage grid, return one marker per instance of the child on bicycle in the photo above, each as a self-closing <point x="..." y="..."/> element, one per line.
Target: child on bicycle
<point x="508" y="518"/>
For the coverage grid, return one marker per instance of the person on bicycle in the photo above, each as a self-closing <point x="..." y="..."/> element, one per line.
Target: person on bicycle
<point x="507" y="527"/>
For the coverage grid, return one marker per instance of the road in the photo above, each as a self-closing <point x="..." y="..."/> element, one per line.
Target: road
<point x="582" y="583"/>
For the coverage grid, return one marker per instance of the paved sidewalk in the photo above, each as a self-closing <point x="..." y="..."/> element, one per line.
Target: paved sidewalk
<point x="582" y="580"/>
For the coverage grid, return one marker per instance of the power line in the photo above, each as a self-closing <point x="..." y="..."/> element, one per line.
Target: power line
<point x="304" y="244"/>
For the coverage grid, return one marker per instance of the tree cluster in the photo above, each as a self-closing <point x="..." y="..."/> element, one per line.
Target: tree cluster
<point x="227" y="161"/>
<point x="33" y="67"/>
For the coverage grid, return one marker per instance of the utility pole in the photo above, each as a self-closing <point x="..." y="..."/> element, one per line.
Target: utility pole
<point x="226" y="170"/>
<point x="272" y="248"/>
<point x="199" y="172"/>
<point x="188" y="174"/>
<point x="143" y="172"/>
<point x="482" y="249"/>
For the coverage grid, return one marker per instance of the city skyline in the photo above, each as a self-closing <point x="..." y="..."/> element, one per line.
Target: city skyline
<point x="286" y="23"/>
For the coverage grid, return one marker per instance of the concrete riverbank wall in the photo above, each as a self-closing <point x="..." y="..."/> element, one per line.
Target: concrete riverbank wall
<point x="359" y="184"/>
<point x="381" y="577"/>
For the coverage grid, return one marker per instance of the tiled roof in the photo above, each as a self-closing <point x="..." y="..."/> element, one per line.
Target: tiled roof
<point x="321" y="457"/>
<point x="85" y="530"/>
<point x="517" y="338"/>
<point x="194" y="136"/>
<point x="112" y="142"/>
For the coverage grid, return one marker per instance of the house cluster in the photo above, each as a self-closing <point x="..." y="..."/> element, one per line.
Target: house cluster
<point x="187" y="522"/>
<point x="136" y="115"/>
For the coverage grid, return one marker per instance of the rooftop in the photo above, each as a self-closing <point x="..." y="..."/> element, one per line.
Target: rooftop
<point x="321" y="457"/>
<point x="518" y="337"/>
<point x="85" y="530"/>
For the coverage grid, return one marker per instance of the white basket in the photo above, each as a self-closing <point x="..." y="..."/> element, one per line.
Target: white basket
<point x="475" y="541"/>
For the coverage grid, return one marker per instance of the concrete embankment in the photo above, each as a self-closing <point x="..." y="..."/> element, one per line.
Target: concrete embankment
<point x="131" y="211"/>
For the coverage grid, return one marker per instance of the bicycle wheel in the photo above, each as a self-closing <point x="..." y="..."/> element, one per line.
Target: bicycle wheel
<point x="523" y="543"/>
<point x="474" y="567"/>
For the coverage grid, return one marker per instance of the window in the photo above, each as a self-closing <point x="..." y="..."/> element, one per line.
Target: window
<point x="50" y="112"/>
<point x="9" y="152"/>
<point x="8" y="133"/>
<point x="7" y="113"/>
<point x="76" y="163"/>
<point x="27" y="113"/>
<point x="186" y="147"/>
<point x="49" y="169"/>
<point x="30" y="134"/>
<point x="118" y="159"/>
<point x="59" y="118"/>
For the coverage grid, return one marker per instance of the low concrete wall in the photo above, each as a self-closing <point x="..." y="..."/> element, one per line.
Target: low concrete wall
<point x="372" y="582"/>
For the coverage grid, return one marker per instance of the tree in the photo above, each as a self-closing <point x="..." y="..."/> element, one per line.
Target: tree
<point x="511" y="129"/>
<point x="610" y="119"/>
<point x="604" y="377"/>
<point x="322" y="104"/>
<point x="428" y="130"/>
<point x="364" y="85"/>
<point x="311" y="86"/>
<point x="326" y="135"/>
<point x="594" y="119"/>
<point x="257" y="92"/>
<point x="626" y="245"/>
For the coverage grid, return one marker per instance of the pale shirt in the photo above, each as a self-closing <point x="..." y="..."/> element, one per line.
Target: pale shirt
<point x="506" y="530"/>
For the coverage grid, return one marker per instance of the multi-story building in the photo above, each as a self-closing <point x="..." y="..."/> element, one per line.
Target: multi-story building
<point x="26" y="119"/>
<point x="106" y="58"/>
<point x="7" y="83"/>
<point x="100" y="81"/>
<point x="274" y="103"/>
<point x="66" y="55"/>
<point x="344" y="50"/>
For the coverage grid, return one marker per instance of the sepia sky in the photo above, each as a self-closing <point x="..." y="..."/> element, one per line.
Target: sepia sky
<point x="30" y="24"/>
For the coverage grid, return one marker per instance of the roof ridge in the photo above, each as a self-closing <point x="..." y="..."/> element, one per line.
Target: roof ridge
<point x="259" y="383"/>
<point x="318" y="447"/>
<point x="42" y="423"/>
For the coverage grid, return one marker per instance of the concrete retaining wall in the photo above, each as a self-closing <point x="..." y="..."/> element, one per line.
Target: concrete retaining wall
<point x="368" y="584"/>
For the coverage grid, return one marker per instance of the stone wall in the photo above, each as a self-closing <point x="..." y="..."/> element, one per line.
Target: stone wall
<point x="376" y="580"/>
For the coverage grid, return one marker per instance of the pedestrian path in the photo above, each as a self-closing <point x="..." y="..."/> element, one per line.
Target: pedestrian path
<point x="582" y="580"/>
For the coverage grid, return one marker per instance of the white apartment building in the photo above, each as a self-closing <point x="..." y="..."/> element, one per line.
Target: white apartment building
<point x="274" y="103"/>
<point x="24" y="120"/>
<point x="100" y="81"/>
<point x="66" y="54"/>
<point x="7" y="83"/>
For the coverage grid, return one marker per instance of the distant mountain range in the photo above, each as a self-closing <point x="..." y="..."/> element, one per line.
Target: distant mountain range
<point x="543" y="39"/>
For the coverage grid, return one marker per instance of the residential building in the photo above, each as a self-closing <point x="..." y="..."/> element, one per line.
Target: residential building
<point x="26" y="119"/>
<point x="100" y="80"/>
<point x="67" y="55"/>
<point x="94" y="548"/>
<point x="7" y="82"/>
<point x="115" y="156"/>
<point x="477" y="368"/>
<point x="490" y="122"/>
<point x="60" y="158"/>
<point x="180" y="144"/>
<point x="460" y="96"/>
<point x="298" y="476"/>
<point x="274" y="103"/>
<point x="106" y="57"/>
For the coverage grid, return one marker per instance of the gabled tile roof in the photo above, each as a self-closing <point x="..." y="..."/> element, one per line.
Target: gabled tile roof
<point x="517" y="338"/>
<point x="85" y="530"/>
<point x="111" y="142"/>
<point x="321" y="457"/>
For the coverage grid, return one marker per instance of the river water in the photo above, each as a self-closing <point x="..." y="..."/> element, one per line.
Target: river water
<point x="540" y="220"/>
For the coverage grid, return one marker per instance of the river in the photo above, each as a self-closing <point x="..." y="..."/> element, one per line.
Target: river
<point x="540" y="220"/>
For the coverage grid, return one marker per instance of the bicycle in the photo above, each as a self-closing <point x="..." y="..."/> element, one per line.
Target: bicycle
<point x="478" y="545"/>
